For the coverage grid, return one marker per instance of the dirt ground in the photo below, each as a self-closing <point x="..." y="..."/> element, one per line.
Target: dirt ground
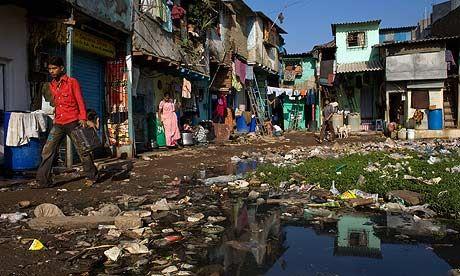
<point x="147" y="177"/>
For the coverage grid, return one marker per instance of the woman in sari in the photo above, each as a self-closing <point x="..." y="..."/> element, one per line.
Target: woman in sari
<point x="169" y="119"/>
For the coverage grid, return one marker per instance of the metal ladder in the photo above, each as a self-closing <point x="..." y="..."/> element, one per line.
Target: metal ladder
<point x="259" y="106"/>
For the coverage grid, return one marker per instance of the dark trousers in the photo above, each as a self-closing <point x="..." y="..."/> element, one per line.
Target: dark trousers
<point x="327" y="125"/>
<point x="55" y="138"/>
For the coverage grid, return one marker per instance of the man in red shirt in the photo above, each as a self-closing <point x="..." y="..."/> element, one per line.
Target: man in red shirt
<point x="70" y="113"/>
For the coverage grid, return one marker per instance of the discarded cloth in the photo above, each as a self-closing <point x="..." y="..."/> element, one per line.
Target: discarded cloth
<point x="186" y="89"/>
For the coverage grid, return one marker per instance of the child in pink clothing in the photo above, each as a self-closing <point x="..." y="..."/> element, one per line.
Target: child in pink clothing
<point x="169" y="119"/>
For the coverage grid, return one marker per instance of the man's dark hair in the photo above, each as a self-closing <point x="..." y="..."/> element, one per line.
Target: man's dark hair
<point x="57" y="61"/>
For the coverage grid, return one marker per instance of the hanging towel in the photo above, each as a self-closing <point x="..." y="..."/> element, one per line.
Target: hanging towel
<point x="41" y="119"/>
<point x="240" y="70"/>
<point x="250" y="72"/>
<point x="186" y="89"/>
<point x="15" y="132"/>
<point x="236" y="84"/>
<point x="278" y="91"/>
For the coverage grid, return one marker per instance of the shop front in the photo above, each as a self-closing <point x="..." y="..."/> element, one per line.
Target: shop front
<point x="188" y="90"/>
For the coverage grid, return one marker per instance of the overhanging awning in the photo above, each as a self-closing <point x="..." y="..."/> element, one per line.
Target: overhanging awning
<point x="356" y="67"/>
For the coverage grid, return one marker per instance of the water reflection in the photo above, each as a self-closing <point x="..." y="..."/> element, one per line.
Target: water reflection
<point x="253" y="243"/>
<point x="356" y="237"/>
<point x="257" y="243"/>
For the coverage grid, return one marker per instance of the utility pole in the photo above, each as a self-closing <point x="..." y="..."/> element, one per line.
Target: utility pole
<point x="69" y="57"/>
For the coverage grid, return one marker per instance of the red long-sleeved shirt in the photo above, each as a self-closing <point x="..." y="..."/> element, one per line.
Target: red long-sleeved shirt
<point x="68" y="100"/>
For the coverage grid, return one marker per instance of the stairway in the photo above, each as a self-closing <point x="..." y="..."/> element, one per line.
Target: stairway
<point x="449" y="120"/>
<point x="259" y="106"/>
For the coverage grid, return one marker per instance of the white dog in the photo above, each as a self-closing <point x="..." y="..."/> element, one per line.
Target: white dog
<point x="343" y="131"/>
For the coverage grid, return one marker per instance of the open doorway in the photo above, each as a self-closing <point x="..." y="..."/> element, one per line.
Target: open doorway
<point x="396" y="108"/>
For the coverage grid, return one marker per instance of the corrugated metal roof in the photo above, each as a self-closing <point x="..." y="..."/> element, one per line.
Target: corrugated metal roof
<point x="330" y="44"/>
<point x="377" y="21"/>
<point x="296" y="55"/>
<point x="392" y="29"/>
<point x="356" y="67"/>
<point x="432" y="39"/>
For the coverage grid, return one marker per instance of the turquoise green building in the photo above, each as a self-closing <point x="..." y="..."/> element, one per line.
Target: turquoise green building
<point x="359" y="72"/>
<point x="300" y="75"/>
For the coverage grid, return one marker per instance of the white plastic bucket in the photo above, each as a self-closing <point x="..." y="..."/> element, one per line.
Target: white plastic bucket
<point x="402" y="134"/>
<point x="411" y="134"/>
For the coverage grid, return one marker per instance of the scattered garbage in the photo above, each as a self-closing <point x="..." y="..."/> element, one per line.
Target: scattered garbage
<point x="433" y="160"/>
<point x="334" y="190"/>
<point x="217" y="219"/>
<point x="113" y="253"/>
<point x="224" y="179"/>
<point x="13" y="217"/>
<point x="195" y="217"/>
<point x="136" y="248"/>
<point x="24" y="203"/>
<point x="109" y="210"/>
<point x="128" y="222"/>
<point x="405" y="197"/>
<point x="213" y="229"/>
<point x="48" y="210"/>
<point x="36" y="245"/>
<point x="161" y="205"/>
<point x="170" y="269"/>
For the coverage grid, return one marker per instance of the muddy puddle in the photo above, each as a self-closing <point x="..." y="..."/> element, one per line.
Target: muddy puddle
<point x="260" y="241"/>
<point x="233" y="168"/>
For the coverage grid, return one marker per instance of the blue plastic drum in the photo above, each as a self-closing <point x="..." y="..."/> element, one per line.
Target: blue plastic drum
<point x="435" y="119"/>
<point x="241" y="125"/>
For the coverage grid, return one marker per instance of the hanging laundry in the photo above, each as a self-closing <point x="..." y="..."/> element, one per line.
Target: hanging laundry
<point x="311" y="97"/>
<point x="236" y="84"/>
<point x="250" y="72"/>
<point x="279" y="91"/>
<point x="186" y="89"/>
<point x="450" y="59"/>
<point x="178" y="12"/>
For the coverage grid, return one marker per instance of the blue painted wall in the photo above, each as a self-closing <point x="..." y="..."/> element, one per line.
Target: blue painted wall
<point x="395" y="36"/>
